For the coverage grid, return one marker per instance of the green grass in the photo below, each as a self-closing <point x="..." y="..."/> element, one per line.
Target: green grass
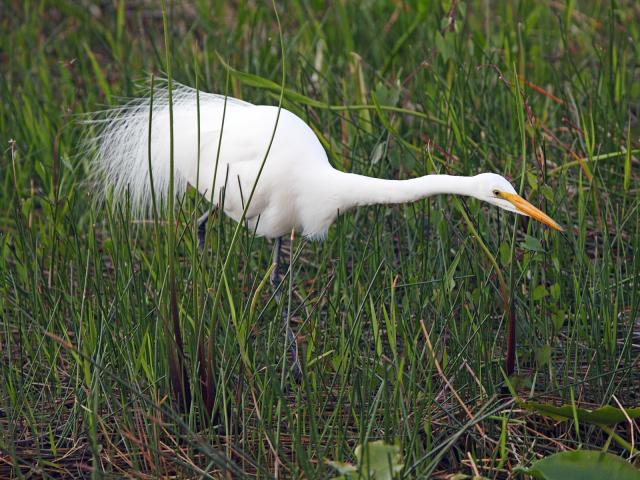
<point x="544" y="93"/>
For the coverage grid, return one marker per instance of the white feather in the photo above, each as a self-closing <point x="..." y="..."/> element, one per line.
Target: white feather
<point x="120" y="143"/>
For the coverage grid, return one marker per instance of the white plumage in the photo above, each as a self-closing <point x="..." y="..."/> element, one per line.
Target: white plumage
<point x="298" y="188"/>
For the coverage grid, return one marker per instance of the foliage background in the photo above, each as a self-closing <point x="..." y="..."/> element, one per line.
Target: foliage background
<point x="545" y="92"/>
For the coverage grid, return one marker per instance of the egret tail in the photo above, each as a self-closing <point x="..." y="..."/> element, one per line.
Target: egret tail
<point x="130" y="144"/>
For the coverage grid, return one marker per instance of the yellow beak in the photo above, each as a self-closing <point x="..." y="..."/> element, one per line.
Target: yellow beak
<point x="526" y="208"/>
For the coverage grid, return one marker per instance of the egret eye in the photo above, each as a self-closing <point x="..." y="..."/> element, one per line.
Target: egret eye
<point x="496" y="193"/>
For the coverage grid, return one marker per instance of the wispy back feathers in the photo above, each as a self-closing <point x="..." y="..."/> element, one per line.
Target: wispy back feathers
<point x="120" y="139"/>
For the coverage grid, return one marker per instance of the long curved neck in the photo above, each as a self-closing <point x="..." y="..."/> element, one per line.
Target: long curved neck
<point x="352" y="190"/>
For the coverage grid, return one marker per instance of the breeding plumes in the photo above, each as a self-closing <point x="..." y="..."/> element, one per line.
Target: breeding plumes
<point x="297" y="189"/>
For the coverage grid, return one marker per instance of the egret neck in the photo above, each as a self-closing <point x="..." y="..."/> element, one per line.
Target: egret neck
<point x="352" y="190"/>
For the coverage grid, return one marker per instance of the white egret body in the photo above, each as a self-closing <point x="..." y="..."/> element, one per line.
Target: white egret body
<point x="298" y="188"/>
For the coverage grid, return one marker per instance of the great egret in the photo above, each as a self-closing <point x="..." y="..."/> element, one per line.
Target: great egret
<point x="297" y="189"/>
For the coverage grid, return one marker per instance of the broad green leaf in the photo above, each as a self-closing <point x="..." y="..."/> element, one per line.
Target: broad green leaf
<point x="505" y="253"/>
<point x="606" y="415"/>
<point x="539" y="292"/>
<point x="382" y="461"/>
<point x="582" y="465"/>
<point x="532" y="244"/>
<point x="547" y="192"/>
<point x="376" y="461"/>
<point x="387" y="96"/>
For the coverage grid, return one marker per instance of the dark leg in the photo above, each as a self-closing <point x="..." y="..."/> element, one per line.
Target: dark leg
<point x="202" y="227"/>
<point x="276" y="281"/>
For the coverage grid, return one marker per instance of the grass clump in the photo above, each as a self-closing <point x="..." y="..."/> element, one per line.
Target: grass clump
<point x="400" y="310"/>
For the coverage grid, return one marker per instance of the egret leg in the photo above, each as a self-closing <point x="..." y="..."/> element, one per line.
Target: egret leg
<point x="276" y="281"/>
<point x="202" y="227"/>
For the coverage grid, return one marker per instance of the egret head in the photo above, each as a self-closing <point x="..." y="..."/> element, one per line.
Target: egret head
<point x="497" y="190"/>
